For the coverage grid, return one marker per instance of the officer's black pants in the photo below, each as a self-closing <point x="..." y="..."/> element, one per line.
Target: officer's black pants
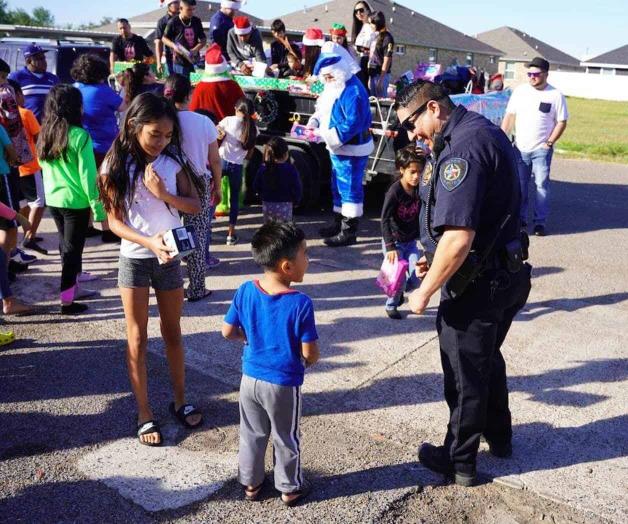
<point x="471" y="330"/>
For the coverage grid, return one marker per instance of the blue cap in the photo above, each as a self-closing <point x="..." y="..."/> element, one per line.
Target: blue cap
<point x="326" y="60"/>
<point x="34" y="49"/>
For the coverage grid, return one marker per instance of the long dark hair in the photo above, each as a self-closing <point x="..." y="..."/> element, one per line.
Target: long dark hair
<point x="118" y="183"/>
<point x="274" y="150"/>
<point x="133" y="80"/>
<point x="63" y="109"/>
<point x="357" y="24"/>
<point x="177" y="88"/>
<point x="378" y="19"/>
<point x="249" y="129"/>
<point x="310" y="56"/>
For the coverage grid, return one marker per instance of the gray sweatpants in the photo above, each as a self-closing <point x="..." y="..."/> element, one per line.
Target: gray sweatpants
<point x="268" y="409"/>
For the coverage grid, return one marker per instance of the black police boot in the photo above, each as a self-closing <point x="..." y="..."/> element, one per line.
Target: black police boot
<point x="347" y="235"/>
<point x="500" y="450"/>
<point x="436" y="459"/>
<point x="332" y="229"/>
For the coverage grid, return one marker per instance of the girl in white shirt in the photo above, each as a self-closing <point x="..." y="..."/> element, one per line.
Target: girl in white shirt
<point x="144" y="185"/>
<point x="362" y="36"/>
<point x="238" y="134"/>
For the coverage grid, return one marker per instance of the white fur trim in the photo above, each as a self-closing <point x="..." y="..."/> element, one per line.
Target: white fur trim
<point x="355" y="150"/>
<point x="215" y="69"/>
<point x="337" y="209"/>
<point x="243" y="31"/>
<point x="351" y="210"/>
<point x="331" y="138"/>
<point x="230" y="5"/>
<point x="307" y="41"/>
<point x="215" y="78"/>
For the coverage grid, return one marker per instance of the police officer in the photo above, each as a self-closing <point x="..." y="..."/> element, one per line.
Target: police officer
<point x="471" y="235"/>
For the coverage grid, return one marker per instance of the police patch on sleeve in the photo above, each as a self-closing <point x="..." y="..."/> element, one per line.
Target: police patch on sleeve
<point x="453" y="172"/>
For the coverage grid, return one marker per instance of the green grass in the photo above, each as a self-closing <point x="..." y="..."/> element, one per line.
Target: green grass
<point x="596" y="130"/>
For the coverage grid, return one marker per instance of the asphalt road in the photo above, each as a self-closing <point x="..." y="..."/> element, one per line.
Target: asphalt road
<point x="67" y="446"/>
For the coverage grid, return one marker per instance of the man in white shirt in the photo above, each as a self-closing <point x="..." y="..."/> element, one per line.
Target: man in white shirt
<point x="539" y="114"/>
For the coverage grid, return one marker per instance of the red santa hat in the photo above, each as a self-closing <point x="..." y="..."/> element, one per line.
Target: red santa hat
<point x="215" y="63"/>
<point x="314" y="36"/>
<point x="242" y="25"/>
<point x="225" y="4"/>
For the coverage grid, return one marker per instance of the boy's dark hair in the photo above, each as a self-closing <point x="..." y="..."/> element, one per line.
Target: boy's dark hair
<point x="16" y="86"/>
<point x="275" y="241"/>
<point x="89" y="69"/>
<point x="278" y="26"/>
<point x="122" y="21"/>
<point x="410" y="154"/>
<point x="189" y="2"/>
<point x="4" y="67"/>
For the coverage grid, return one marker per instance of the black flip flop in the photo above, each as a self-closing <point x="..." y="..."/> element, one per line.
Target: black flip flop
<point x="184" y="412"/>
<point x="302" y="493"/>
<point x="252" y="495"/>
<point x="151" y="426"/>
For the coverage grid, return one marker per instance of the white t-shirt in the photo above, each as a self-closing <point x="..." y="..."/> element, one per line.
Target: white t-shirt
<point x="365" y="37"/>
<point x="536" y="114"/>
<point x="147" y="214"/>
<point x="198" y="132"/>
<point x="231" y="148"/>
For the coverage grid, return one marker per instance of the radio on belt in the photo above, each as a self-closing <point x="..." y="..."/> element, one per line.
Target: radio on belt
<point x="182" y="240"/>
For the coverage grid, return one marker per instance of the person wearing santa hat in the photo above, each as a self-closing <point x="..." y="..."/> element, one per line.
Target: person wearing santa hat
<point x="313" y="40"/>
<point x="217" y="92"/>
<point x="221" y="23"/>
<point x="160" y="49"/>
<point x="343" y="119"/>
<point x="244" y="45"/>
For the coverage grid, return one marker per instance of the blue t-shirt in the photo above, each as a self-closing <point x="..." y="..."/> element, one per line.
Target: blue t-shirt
<point x="275" y="326"/>
<point x="286" y="187"/>
<point x="99" y="114"/>
<point x="4" y="141"/>
<point x="35" y="89"/>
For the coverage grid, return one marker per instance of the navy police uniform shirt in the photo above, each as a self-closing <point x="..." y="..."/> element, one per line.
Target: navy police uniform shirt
<point x="473" y="183"/>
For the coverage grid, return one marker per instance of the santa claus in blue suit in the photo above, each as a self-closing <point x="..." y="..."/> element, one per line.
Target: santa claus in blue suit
<point x="343" y="121"/>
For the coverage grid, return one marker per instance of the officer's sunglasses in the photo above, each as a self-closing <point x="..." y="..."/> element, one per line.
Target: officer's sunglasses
<point x="409" y="123"/>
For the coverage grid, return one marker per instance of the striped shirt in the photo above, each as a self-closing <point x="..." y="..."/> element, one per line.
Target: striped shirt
<point x="35" y="89"/>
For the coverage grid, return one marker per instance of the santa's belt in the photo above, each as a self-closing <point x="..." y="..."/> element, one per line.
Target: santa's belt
<point x="358" y="139"/>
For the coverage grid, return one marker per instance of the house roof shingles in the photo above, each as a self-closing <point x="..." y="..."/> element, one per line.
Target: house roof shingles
<point x="407" y="26"/>
<point x="519" y="46"/>
<point x="204" y="11"/>
<point x="617" y="56"/>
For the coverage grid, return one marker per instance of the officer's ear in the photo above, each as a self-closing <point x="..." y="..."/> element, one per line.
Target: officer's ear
<point x="435" y="108"/>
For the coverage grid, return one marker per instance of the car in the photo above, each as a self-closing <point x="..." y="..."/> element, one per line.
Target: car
<point x="60" y="56"/>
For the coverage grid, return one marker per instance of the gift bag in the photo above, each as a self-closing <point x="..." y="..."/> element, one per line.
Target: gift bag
<point x="392" y="276"/>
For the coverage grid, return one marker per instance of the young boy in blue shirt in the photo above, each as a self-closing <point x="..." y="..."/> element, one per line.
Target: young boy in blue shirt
<point x="276" y="324"/>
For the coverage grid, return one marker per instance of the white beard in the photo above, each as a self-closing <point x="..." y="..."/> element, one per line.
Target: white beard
<point x="328" y="97"/>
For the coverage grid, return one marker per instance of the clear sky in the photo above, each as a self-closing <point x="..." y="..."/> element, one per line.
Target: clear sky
<point x="578" y="27"/>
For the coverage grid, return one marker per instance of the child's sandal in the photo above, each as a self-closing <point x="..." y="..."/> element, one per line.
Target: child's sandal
<point x="252" y="495"/>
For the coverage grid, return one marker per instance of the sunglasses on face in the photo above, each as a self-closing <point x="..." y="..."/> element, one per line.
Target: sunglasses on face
<point x="534" y="75"/>
<point x="359" y="11"/>
<point x="409" y="123"/>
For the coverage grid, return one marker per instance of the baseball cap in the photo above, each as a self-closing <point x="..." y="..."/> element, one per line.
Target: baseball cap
<point x="34" y="49"/>
<point x="539" y="62"/>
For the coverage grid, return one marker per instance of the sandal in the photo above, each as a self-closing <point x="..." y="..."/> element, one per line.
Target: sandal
<point x="6" y="337"/>
<point x="300" y="495"/>
<point x="147" y="428"/>
<point x="252" y="495"/>
<point x="183" y="413"/>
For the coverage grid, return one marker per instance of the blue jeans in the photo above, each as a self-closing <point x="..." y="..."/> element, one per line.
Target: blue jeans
<point x="379" y="93"/>
<point x="405" y="251"/>
<point x="535" y="163"/>
<point x="234" y="173"/>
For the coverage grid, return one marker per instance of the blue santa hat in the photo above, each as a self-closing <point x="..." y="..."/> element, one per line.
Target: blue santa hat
<point x="326" y="63"/>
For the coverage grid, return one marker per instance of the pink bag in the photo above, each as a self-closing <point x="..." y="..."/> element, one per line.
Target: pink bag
<point x="392" y="276"/>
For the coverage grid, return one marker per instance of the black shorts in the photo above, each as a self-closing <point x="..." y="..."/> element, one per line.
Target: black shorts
<point x="28" y="188"/>
<point x="9" y="196"/>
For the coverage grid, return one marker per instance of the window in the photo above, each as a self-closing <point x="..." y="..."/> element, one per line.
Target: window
<point x="433" y="55"/>
<point x="509" y="71"/>
<point x="492" y="59"/>
<point x="469" y="59"/>
<point x="607" y="71"/>
<point x="400" y="49"/>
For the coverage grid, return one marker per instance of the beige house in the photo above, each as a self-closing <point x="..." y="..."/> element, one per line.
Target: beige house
<point x="417" y="37"/>
<point x="519" y="48"/>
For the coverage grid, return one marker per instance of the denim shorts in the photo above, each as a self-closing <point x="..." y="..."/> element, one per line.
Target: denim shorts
<point x="146" y="272"/>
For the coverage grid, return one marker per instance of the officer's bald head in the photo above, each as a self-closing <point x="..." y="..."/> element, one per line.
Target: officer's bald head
<point x="420" y="92"/>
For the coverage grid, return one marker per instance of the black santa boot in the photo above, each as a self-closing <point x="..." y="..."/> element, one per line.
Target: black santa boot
<point x="348" y="233"/>
<point x="333" y="228"/>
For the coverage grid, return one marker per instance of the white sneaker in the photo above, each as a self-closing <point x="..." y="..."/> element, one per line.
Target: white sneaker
<point x="232" y="240"/>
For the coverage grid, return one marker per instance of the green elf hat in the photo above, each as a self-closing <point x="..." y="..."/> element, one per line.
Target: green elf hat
<point x="338" y="30"/>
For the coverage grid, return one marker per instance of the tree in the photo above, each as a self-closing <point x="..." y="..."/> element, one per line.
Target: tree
<point x="105" y="20"/>
<point x="42" y="17"/>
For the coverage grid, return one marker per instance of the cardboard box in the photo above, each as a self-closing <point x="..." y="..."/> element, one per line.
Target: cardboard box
<point x="182" y="240"/>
